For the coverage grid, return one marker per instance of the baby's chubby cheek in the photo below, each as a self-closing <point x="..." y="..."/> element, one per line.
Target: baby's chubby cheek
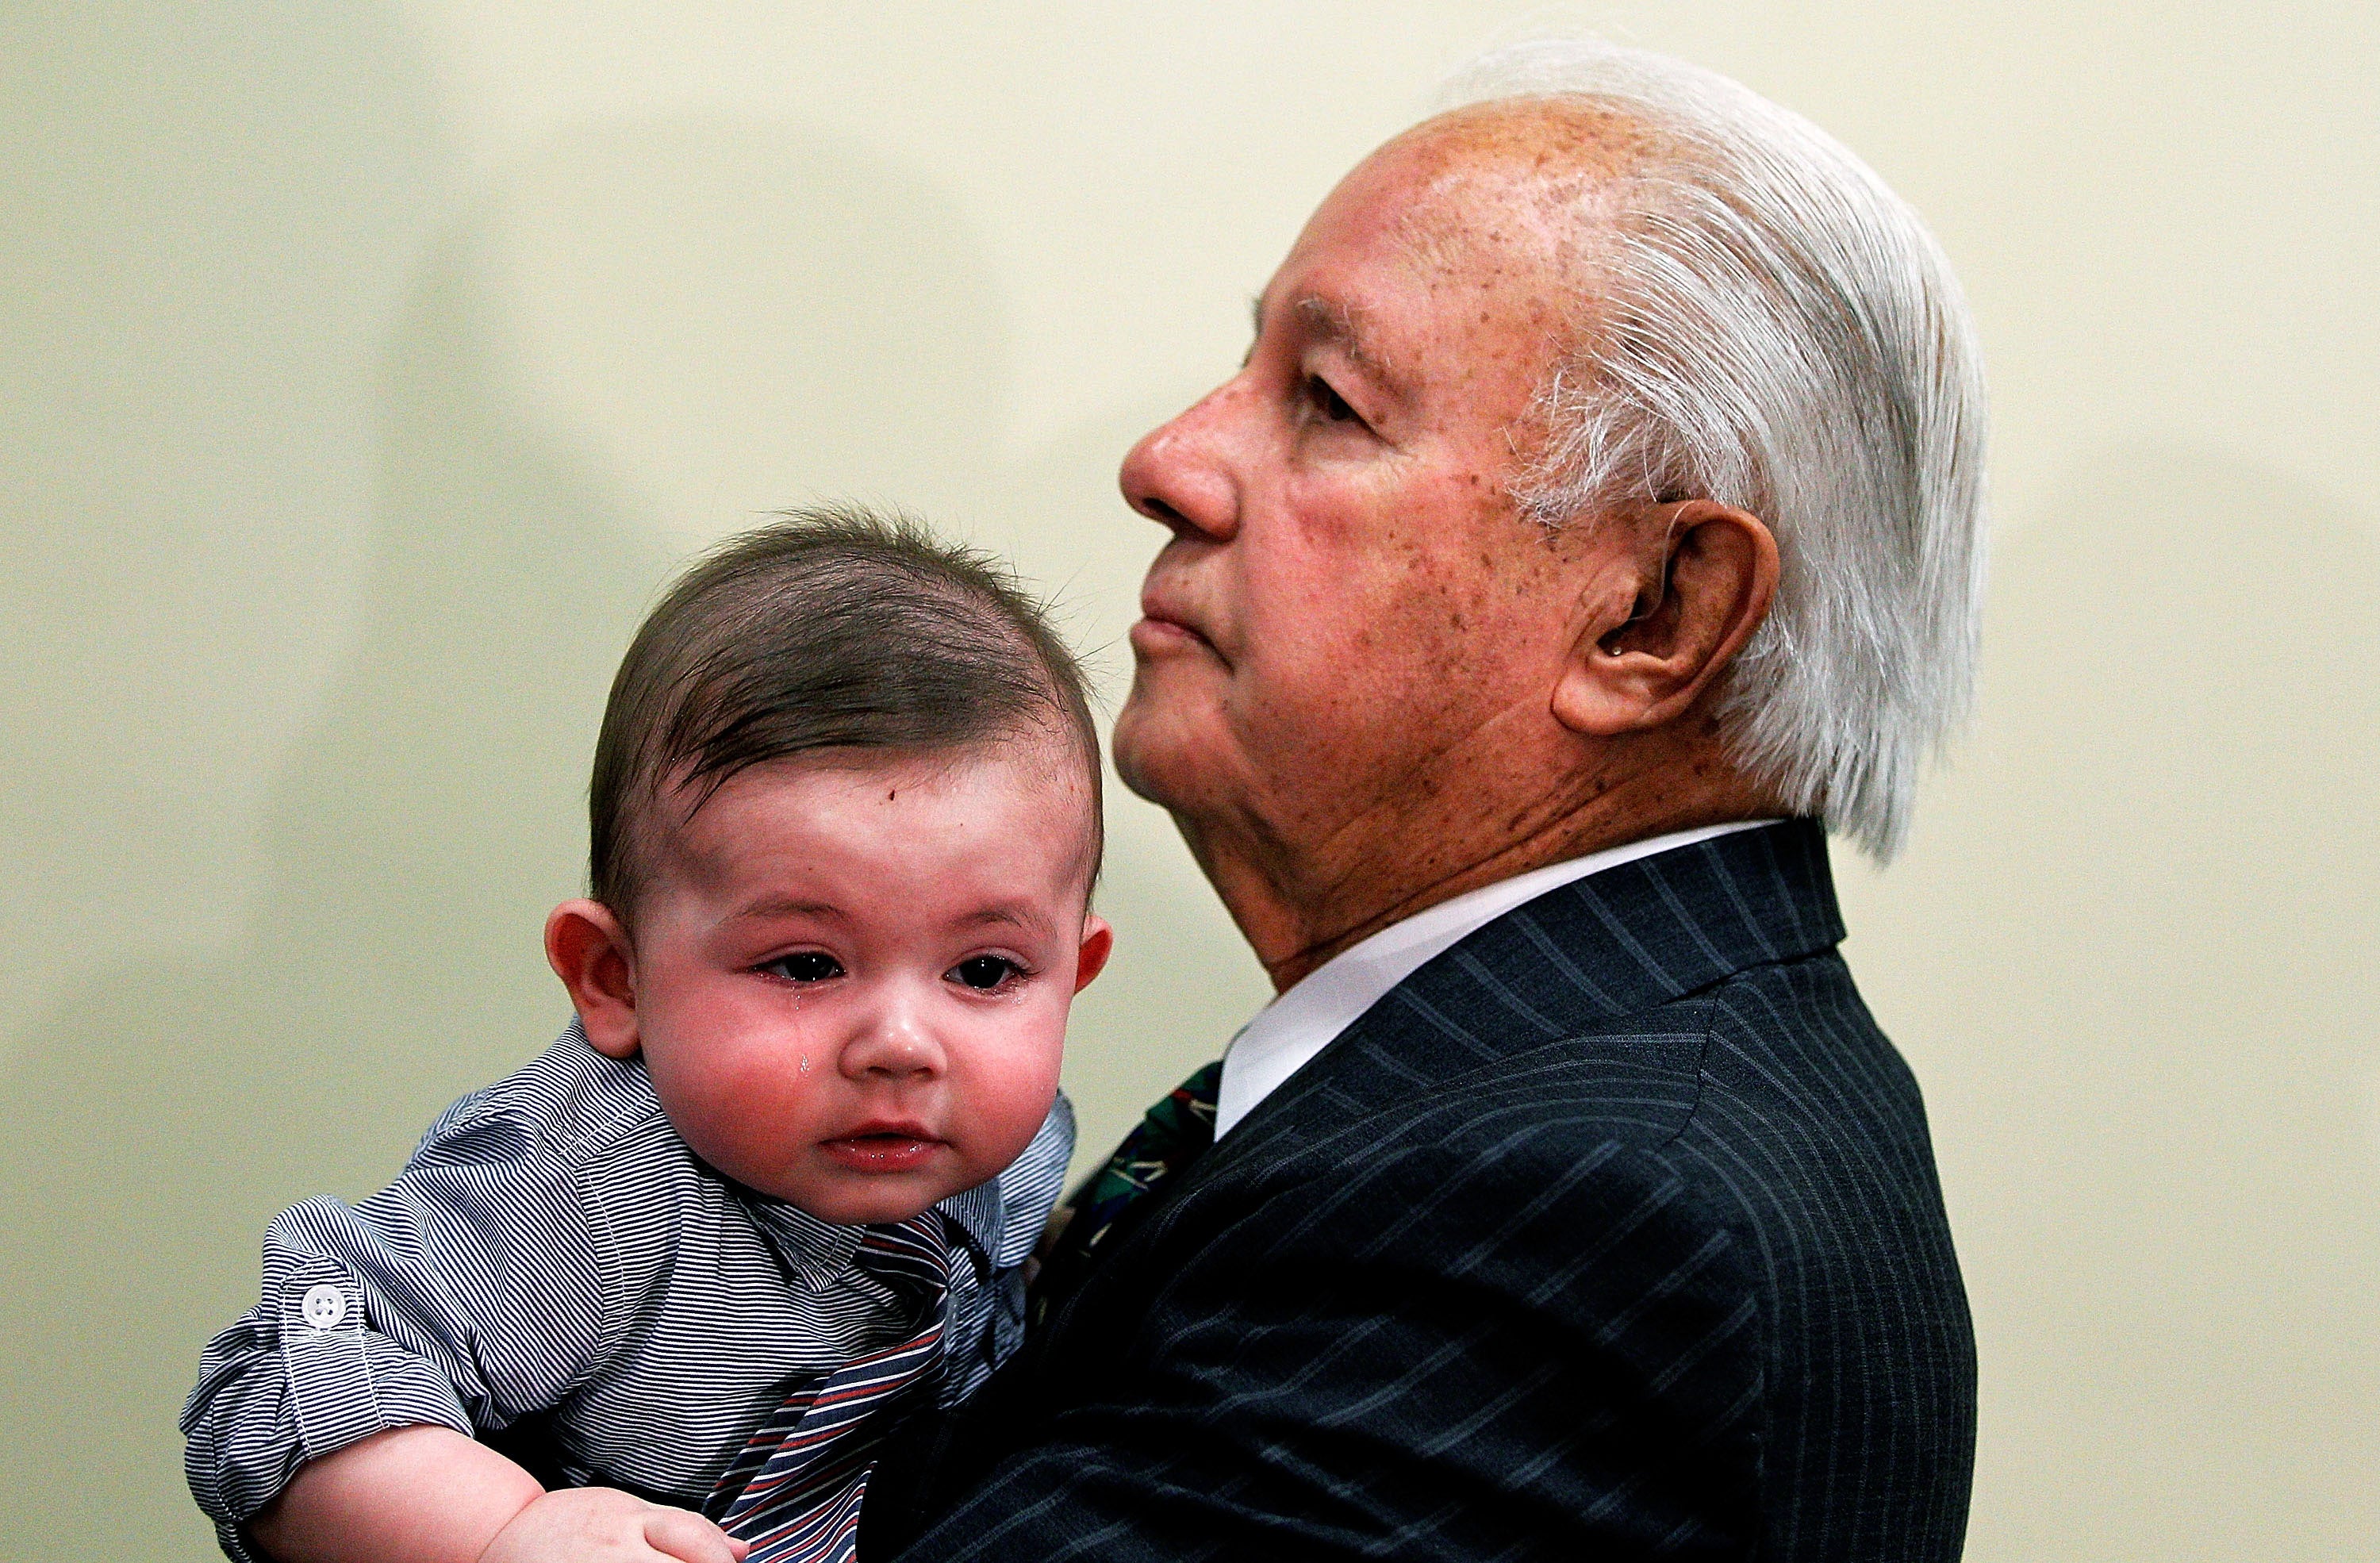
<point x="741" y="1113"/>
<point x="996" y="1114"/>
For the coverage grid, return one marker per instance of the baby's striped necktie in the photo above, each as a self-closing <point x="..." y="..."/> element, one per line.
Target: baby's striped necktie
<point x="1169" y="1137"/>
<point x="795" y="1491"/>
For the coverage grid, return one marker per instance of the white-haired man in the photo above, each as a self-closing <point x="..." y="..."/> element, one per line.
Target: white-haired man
<point x="1594" y="523"/>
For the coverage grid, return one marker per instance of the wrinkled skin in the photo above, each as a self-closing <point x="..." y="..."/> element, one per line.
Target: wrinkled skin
<point x="1365" y="680"/>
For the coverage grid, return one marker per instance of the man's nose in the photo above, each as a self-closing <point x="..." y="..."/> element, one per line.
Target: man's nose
<point x="895" y="1041"/>
<point x="1182" y="474"/>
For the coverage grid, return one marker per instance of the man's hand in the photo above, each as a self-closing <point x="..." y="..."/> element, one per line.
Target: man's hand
<point x="605" y="1525"/>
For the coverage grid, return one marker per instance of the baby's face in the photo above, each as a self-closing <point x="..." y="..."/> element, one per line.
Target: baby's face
<point x="851" y="983"/>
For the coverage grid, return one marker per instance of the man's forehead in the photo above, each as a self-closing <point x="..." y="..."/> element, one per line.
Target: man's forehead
<point x="1529" y="175"/>
<point x="1484" y="214"/>
<point x="1555" y="138"/>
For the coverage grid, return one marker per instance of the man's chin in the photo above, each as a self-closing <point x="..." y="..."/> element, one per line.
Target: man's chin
<point x="1141" y="769"/>
<point x="1159" y="754"/>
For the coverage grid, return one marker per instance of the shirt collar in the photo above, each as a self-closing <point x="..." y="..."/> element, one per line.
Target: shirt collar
<point x="978" y="1218"/>
<point x="1298" y="1024"/>
<point x="819" y="1250"/>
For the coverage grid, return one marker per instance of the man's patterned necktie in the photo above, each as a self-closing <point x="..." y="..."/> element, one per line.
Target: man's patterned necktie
<point x="1169" y="1137"/>
<point x="795" y="1490"/>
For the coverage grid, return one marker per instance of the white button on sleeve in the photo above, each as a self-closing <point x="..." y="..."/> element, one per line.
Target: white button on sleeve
<point x="325" y="1306"/>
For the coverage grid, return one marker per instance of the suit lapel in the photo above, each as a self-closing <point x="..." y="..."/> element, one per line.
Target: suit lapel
<point x="1569" y="963"/>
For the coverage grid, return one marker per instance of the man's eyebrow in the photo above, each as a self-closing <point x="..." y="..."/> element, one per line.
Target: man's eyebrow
<point x="1338" y="324"/>
<point x="1342" y="327"/>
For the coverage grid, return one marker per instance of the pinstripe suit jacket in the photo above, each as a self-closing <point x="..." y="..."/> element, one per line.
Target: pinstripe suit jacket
<point x="1612" y="1232"/>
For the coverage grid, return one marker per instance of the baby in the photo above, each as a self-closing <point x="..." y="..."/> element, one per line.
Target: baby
<point x="778" y="1180"/>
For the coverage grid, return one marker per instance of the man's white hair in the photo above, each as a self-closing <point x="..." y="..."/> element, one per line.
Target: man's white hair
<point x="1768" y="326"/>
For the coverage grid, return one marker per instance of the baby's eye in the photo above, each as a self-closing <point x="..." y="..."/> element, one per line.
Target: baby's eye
<point x="986" y="972"/>
<point x="805" y="965"/>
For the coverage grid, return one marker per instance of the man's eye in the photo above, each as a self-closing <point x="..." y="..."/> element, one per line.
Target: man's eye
<point x="1327" y="402"/>
<point x="985" y="972"/>
<point x="808" y="965"/>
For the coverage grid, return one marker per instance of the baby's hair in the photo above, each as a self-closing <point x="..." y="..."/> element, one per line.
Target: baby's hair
<point x="834" y="627"/>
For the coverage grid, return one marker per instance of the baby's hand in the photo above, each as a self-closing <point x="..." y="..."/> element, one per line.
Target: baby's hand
<point x="605" y="1525"/>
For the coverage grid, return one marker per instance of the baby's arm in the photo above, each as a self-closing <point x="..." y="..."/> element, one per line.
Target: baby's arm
<point x="429" y="1494"/>
<point x="466" y="1295"/>
<point x="398" y="1314"/>
<point x="410" y="1495"/>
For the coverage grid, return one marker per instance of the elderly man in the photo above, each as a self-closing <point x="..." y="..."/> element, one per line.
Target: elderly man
<point x="1593" y="525"/>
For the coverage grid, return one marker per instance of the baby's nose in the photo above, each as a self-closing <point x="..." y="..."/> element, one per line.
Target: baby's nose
<point x="896" y="1043"/>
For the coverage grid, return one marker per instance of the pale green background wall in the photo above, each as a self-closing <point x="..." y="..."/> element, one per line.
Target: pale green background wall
<point x="366" y="366"/>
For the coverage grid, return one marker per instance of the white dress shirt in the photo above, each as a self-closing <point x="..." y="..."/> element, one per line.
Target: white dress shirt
<point x="1287" y="1032"/>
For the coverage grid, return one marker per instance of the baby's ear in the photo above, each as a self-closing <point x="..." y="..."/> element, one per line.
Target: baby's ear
<point x="589" y="952"/>
<point x="1099" y="943"/>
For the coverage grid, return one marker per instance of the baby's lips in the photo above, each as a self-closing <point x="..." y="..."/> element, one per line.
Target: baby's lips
<point x="888" y="1128"/>
<point x="881" y="1151"/>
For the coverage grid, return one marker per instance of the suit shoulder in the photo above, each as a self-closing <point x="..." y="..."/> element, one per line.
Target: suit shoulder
<point x="1578" y="1124"/>
<point x="1634" y="1080"/>
<point x="1797" y="1068"/>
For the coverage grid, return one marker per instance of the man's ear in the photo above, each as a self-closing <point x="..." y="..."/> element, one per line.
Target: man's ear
<point x="589" y="952"/>
<point x="1099" y="943"/>
<point x="1704" y="574"/>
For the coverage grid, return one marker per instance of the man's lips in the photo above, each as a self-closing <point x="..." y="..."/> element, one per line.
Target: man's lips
<point x="883" y="1148"/>
<point x="1156" y="633"/>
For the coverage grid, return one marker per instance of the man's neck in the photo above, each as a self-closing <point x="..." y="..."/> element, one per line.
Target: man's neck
<point x="1299" y="908"/>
